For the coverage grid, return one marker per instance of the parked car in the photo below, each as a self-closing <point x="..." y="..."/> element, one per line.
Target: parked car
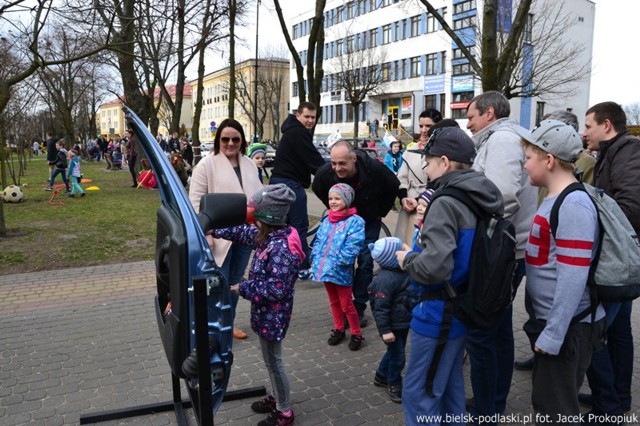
<point x="206" y="148"/>
<point x="325" y="153"/>
<point x="270" y="156"/>
<point x="375" y="153"/>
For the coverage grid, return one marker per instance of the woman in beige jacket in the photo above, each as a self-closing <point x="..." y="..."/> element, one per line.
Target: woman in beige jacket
<point x="227" y="170"/>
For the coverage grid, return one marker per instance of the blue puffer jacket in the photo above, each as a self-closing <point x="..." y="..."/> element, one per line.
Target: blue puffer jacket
<point x="272" y="275"/>
<point x="336" y="249"/>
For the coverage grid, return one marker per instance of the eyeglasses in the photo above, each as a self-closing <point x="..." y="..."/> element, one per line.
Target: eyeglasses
<point x="234" y="139"/>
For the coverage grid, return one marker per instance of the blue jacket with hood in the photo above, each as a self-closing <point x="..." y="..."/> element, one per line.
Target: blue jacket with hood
<point x="444" y="246"/>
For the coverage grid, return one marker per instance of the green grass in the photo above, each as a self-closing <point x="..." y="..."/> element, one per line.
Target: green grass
<point x="112" y="225"/>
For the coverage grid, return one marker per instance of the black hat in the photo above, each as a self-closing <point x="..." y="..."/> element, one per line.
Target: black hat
<point x="453" y="143"/>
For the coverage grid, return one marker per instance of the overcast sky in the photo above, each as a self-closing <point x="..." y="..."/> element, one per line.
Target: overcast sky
<point x="615" y="77"/>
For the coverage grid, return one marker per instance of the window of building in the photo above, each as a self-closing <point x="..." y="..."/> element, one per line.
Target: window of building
<point x="461" y="69"/>
<point x="415" y="26"/>
<point x="339" y="12"/>
<point x="386" y="72"/>
<point x="373" y="37"/>
<point x="464" y="6"/>
<point x="349" y="113"/>
<point x="351" y="10"/>
<point x="459" y="113"/>
<point x="339" y="47"/>
<point x="430" y="64"/>
<point x="527" y="36"/>
<point x="539" y="112"/>
<point x="397" y="34"/>
<point x="339" y="114"/>
<point x="457" y="53"/>
<point x="467" y="22"/>
<point x="351" y="47"/>
<point x="386" y="34"/>
<point x="432" y="25"/>
<point x="462" y="96"/>
<point x="415" y="67"/>
<point x="443" y="61"/>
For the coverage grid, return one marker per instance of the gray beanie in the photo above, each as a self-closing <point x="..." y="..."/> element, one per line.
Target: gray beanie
<point x="345" y="192"/>
<point x="272" y="204"/>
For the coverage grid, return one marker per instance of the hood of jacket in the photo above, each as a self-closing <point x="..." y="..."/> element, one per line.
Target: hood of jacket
<point x="290" y="122"/>
<point x="502" y="124"/>
<point x="481" y="190"/>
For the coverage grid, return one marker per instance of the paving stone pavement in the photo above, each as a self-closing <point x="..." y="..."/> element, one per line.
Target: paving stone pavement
<point x="83" y="340"/>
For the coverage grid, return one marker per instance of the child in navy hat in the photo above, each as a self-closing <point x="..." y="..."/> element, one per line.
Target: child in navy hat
<point x="339" y="240"/>
<point x="386" y="294"/>
<point x="270" y="287"/>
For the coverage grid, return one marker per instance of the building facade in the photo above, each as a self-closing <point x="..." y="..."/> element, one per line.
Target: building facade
<point x="272" y="98"/>
<point x="421" y="67"/>
<point x="112" y="124"/>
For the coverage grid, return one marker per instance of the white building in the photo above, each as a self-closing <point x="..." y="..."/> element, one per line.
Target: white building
<point x="421" y="66"/>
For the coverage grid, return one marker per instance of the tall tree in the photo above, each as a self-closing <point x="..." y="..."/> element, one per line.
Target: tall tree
<point x="314" y="54"/>
<point x="358" y="72"/>
<point x="499" y="54"/>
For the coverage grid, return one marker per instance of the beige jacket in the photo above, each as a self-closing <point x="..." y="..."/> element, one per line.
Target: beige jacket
<point x="215" y="174"/>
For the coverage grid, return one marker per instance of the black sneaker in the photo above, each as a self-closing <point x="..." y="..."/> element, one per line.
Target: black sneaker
<point x="380" y="381"/>
<point x="363" y="320"/>
<point x="82" y="194"/>
<point x="277" y="418"/>
<point x="355" y="343"/>
<point x="71" y="195"/>
<point x="265" y="405"/>
<point x="336" y="337"/>
<point x="395" y="393"/>
<point x="524" y="365"/>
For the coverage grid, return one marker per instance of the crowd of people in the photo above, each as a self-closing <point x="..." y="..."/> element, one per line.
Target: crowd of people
<point x="505" y="170"/>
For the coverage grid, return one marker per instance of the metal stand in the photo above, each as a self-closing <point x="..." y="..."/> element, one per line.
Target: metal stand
<point x="202" y="406"/>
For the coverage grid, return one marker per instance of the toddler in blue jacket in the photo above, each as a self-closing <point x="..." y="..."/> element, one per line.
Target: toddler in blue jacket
<point x="339" y="240"/>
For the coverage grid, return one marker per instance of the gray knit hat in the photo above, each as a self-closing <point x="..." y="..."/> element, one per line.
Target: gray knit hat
<point x="345" y="192"/>
<point x="272" y="204"/>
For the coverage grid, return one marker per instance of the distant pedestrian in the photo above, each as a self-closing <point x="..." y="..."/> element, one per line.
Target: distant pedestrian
<point x="272" y="274"/>
<point x="74" y="174"/>
<point x="52" y="153"/>
<point x="36" y="148"/>
<point x="60" y="167"/>
<point x="132" y="157"/>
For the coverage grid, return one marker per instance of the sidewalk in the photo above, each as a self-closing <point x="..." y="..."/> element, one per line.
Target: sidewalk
<point x="83" y="340"/>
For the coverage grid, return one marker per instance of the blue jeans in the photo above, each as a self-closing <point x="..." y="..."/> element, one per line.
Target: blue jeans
<point x="364" y="271"/>
<point x="62" y="173"/>
<point x="448" y="384"/>
<point x="392" y="363"/>
<point x="233" y="268"/>
<point x="611" y="368"/>
<point x="298" y="216"/>
<point x="491" y="355"/>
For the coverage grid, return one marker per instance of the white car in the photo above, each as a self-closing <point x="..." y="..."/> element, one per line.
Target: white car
<point x="205" y="148"/>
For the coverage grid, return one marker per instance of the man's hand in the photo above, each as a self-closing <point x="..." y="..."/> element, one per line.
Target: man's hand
<point x="409" y="204"/>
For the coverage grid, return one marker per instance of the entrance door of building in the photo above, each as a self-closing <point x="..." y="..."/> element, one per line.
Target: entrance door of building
<point x="392" y="117"/>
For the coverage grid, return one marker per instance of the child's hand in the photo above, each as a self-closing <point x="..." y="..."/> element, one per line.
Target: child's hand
<point x="235" y="289"/>
<point x="400" y="255"/>
<point x="389" y="337"/>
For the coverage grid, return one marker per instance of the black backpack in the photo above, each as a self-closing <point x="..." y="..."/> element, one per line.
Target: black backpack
<point x="489" y="289"/>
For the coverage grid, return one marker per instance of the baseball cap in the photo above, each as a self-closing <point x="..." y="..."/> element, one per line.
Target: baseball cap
<point x="555" y="137"/>
<point x="453" y="143"/>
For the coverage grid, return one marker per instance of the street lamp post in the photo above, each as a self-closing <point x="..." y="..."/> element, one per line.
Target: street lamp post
<point x="255" y="81"/>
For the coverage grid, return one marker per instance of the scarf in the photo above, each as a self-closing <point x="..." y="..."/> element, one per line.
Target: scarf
<point x="341" y="215"/>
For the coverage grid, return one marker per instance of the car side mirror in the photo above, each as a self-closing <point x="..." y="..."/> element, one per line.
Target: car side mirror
<point x="222" y="211"/>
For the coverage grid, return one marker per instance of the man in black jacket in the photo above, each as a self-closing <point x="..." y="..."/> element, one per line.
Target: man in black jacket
<point x="52" y="153"/>
<point x="617" y="172"/>
<point x="376" y="188"/>
<point x="296" y="160"/>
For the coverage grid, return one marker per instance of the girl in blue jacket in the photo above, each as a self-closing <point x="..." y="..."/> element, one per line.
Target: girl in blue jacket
<point x="338" y="243"/>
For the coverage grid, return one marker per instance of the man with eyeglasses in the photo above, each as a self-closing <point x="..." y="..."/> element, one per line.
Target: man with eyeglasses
<point x="296" y="160"/>
<point x="501" y="158"/>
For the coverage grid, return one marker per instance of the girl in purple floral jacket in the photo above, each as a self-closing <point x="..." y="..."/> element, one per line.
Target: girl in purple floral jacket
<point x="270" y="288"/>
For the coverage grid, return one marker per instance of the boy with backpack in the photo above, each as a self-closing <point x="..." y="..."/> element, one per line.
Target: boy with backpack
<point x="567" y="324"/>
<point x="434" y="383"/>
<point x="387" y="292"/>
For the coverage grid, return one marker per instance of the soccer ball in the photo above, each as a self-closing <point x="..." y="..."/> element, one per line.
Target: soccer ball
<point x="12" y="194"/>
